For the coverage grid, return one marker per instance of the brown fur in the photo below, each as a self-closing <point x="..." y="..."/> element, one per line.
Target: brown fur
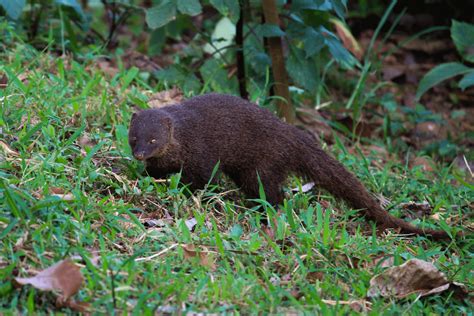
<point x="245" y="139"/>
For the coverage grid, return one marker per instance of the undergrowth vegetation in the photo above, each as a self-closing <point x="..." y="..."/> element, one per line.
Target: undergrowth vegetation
<point x="69" y="188"/>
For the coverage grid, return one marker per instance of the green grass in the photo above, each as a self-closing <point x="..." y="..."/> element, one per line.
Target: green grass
<point x="68" y="124"/>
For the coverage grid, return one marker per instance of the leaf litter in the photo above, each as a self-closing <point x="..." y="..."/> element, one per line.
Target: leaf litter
<point x="414" y="276"/>
<point x="65" y="277"/>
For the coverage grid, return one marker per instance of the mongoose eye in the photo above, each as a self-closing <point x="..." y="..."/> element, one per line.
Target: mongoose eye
<point x="152" y="141"/>
<point x="134" y="139"/>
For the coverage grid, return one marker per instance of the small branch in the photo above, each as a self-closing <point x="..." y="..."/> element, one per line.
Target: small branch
<point x="285" y="109"/>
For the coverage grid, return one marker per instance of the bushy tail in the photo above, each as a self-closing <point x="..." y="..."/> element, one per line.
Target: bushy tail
<point x="330" y="174"/>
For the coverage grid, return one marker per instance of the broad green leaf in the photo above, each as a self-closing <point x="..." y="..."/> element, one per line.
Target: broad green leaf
<point x="161" y="14"/>
<point x="157" y="41"/>
<point x="463" y="37"/>
<point x="259" y="61"/>
<point x="189" y="7"/>
<point x="313" y="41"/>
<point x="13" y="8"/>
<point x="339" y="52"/>
<point x="467" y="80"/>
<point x="222" y="36"/>
<point x="229" y="8"/>
<point x="73" y="4"/>
<point x="269" y="30"/>
<point x="216" y="77"/>
<point x="340" y="8"/>
<point x="439" y="74"/>
<point x="301" y="70"/>
<point x="320" y="5"/>
<point x="173" y="75"/>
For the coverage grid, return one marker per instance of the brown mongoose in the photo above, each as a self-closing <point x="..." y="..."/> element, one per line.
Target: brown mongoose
<point x="248" y="142"/>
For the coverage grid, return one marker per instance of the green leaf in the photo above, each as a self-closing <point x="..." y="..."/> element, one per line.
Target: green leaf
<point x="189" y="7"/>
<point x="463" y="37"/>
<point x="467" y="80"/>
<point x="229" y="8"/>
<point x="13" y="8"/>
<point x="320" y="5"/>
<point x="339" y="52"/>
<point x="222" y="36"/>
<point x="313" y="41"/>
<point x="269" y="30"/>
<point x="302" y="70"/>
<point x="439" y="74"/>
<point x="157" y="41"/>
<point x="173" y="75"/>
<point x="216" y="76"/>
<point x="73" y="4"/>
<point x="161" y="14"/>
<point x="340" y="8"/>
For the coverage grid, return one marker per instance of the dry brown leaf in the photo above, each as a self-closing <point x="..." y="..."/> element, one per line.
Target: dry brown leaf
<point x="134" y="58"/>
<point x="3" y="81"/>
<point x="7" y="150"/>
<point x="414" y="276"/>
<point x="424" y="162"/>
<point x="65" y="197"/>
<point x="65" y="276"/>
<point x="204" y="255"/>
<point x="314" y="276"/>
<point x="348" y="40"/>
<point x="357" y="305"/>
<point x="108" y="68"/>
<point x="56" y="190"/>
<point x="166" y="97"/>
<point x="419" y="210"/>
<point x="85" y="141"/>
<point x="393" y="72"/>
<point x="383" y="261"/>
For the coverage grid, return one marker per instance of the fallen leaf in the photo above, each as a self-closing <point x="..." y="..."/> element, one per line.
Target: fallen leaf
<point x="419" y="210"/>
<point x="56" y="190"/>
<point x="425" y="163"/>
<point x="357" y="305"/>
<point x="383" y="261"/>
<point x="348" y="40"/>
<point x="304" y="188"/>
<point x="204" y="255"/>
<point x="85" y="141"/>
<point x="190" y="223"/>
<point x="133" y="58"/>
<point x="149" y="223"/>
<point x="314" y="276"/>
<point x="166" y="97"/>
<point x="65" y="276"/>
<point x="3" y="81"/>
<point x="7" y="150"/>
<point x="392" y="72"/>
<point x="464" y="164"/>
<point x="65" y="197"/>
<point x="414" y="276"/>
<point x="108" y="68"/>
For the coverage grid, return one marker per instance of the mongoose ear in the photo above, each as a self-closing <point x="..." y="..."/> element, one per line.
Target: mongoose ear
<point x="134" y="116"/>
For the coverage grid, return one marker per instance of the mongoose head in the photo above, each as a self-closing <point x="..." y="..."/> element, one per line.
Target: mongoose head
<point x="150" y="134"/>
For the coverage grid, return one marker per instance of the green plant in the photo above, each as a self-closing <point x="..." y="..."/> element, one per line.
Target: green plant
<point x="463" y="37"/>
